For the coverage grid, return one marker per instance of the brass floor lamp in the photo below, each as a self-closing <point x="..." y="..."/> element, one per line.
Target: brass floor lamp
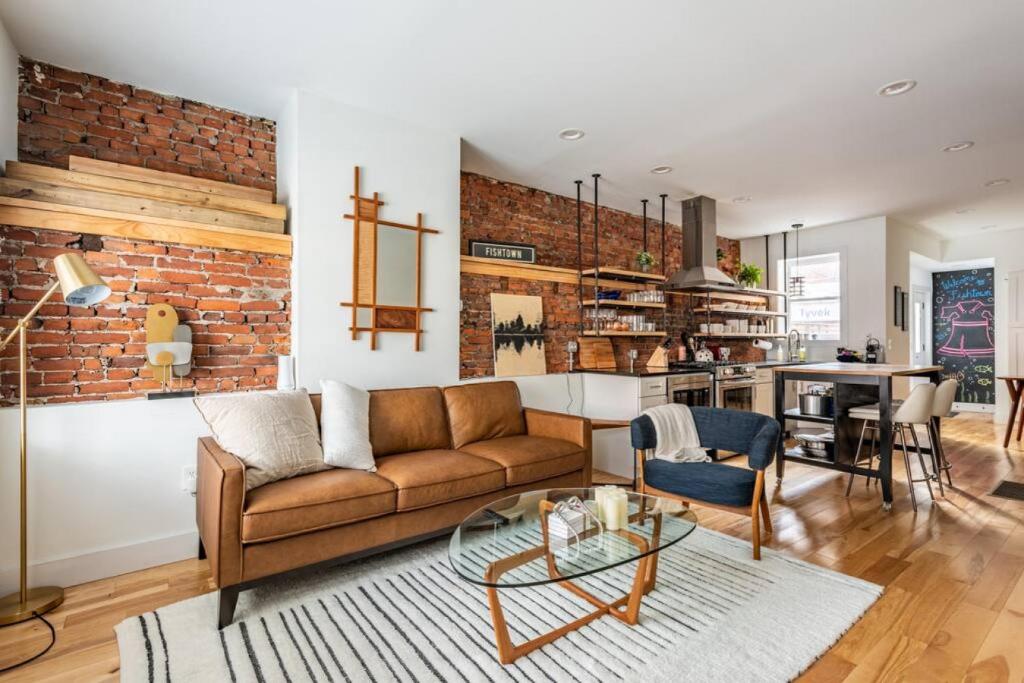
<point x="80" y="287"/>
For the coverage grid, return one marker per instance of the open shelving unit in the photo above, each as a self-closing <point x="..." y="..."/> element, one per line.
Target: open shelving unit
<point x="601" y="277"/>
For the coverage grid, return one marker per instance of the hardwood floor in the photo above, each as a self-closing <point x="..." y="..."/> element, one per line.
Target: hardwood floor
<point x="953" y="608"/>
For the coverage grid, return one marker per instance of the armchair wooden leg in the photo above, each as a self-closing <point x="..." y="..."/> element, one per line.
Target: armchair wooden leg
<point x="755" y="517"/>
<point x="766" y="515"/>
<point x="228" y="599"/>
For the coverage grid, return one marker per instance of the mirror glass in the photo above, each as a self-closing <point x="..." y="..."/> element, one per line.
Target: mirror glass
<point x="363" y="317"/>
<point x="396" y="267"/>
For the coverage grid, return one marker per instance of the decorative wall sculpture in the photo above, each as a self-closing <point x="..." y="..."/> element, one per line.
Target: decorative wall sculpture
<point x="963" y="331"/>
<point x="518" y="325"/>
<point x="387" y="264"/>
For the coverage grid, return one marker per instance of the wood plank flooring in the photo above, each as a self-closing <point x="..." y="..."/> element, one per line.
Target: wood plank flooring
<point x="954" y="575"/>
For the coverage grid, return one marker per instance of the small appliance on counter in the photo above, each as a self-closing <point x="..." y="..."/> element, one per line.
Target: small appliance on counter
<point x="844" y="355"/>
<point x="873" y="350"/>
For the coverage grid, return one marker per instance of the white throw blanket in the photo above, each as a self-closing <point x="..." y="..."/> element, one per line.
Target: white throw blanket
<point x="678" y="440"/>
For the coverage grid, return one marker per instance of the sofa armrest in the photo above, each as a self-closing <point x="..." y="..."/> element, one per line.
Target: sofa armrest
<point x="571" y="428"/>
<point x="220" y="494"/>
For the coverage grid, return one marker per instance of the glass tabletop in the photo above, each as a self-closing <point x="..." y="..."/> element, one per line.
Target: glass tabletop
<point x="553" y="535"/>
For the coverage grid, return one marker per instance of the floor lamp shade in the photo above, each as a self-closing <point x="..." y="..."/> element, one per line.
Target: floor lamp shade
<point x="80" y="287"/>
<point x="78" y="283"/>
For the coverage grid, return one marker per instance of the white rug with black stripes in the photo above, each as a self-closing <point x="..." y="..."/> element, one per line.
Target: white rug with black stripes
<point x="716" y="615"/>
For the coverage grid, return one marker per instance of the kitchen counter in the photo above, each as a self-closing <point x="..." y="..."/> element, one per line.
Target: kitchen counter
<point x="642" y="372"/>
<point x="778" y="363"/>
<point x="865" y="369"/>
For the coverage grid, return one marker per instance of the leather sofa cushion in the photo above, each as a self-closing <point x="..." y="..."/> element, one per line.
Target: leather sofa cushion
<point x="314" y="501"/>
<point x="403" y="420"/>
<point x="530" y="458"/>
<point x="710" y="482"/>
<point x="425" y="478"/>
<point x="487" y="410"/>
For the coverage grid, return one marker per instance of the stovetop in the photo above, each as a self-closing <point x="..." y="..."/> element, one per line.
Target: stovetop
<point x="723" y="369"/>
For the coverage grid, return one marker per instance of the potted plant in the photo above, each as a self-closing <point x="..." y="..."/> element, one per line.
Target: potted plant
<point x="749" y="275"/>
<point x="644" y="261"/>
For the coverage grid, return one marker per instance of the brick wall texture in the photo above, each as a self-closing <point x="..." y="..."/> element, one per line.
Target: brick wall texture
<point x="507" y="212"/>
<point x="238" y="304"/>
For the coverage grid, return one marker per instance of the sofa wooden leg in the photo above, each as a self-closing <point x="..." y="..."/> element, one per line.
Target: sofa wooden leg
<point x="202" y="550"/>
<point x="228" y="599"/>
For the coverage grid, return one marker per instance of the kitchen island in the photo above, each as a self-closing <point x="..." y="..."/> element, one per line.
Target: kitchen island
<point x="855" y="384"/>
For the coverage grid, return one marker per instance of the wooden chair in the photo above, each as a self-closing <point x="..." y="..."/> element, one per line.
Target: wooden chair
<point x="714" y="484"/>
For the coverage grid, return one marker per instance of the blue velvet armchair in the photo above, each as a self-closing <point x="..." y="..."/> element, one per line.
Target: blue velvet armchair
<point x="712" y="483"/>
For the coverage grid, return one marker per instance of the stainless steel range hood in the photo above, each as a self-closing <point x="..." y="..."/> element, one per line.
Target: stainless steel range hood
<point x="700" y="249"/>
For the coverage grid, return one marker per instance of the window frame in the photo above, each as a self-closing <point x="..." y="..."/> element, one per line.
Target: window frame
<point x="844" y="313"/>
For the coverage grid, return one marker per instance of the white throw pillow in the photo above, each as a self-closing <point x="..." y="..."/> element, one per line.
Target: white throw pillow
<point x="345" y="426"/>
<point x="273" y="433"/>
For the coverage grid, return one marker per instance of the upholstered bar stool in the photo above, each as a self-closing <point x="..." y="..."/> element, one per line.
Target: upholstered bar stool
<point x="942" y="407"/>
<point x="915" y="411"/>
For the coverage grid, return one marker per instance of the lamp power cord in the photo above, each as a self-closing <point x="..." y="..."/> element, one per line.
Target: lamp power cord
<point x="53" y="639"/>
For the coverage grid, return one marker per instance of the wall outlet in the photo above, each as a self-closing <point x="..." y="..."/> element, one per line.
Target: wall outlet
<point x="188" y="479"/>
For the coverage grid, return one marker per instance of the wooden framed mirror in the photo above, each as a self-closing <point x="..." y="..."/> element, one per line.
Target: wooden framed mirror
<point x="387" y="265"/>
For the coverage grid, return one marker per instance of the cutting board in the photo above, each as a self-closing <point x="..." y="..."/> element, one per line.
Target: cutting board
<point x="596" y="354"/>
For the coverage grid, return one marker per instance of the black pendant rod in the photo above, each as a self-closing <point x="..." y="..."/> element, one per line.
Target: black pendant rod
<point x="579" y="249"/>
<point x="597" y="271"/>
<point x="644" y="202"/>
<point x="663" y="198"/>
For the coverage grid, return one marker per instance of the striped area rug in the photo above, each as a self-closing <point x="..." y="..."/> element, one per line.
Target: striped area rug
<point x="716" y="615"/>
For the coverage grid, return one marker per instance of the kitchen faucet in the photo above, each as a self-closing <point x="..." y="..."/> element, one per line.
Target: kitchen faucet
<point x="794" y="351"/>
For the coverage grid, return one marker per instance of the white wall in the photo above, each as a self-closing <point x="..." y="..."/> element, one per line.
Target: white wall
<point x="860" y="243"/>
<point x="414" y="170"/>
<point x="902" y="239"/>
<point x="8" y="98"/>
<point x="1007" y="248"/>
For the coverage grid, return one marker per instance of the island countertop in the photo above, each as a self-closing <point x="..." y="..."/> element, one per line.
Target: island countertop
<point x="861" y="369"/>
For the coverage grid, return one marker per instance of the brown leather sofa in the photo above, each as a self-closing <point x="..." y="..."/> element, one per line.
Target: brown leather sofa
<point x="440" y="453"/>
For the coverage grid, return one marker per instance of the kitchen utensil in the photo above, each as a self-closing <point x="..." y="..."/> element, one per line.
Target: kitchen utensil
<point x="703" y="355"/>
<point x="597" y="354"/>
<point x="817" y="401"/>
<point x="723" y="353"/>
<point x="704" y="327"/>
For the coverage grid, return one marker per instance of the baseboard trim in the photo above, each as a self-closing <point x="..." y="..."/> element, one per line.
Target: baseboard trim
<point x="101" y="564"/>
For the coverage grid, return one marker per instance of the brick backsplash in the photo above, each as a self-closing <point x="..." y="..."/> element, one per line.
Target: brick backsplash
<point x="508" y="212"/>
<point x="238" y="304"/>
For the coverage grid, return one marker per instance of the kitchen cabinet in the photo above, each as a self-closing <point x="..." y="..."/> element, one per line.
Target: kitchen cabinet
<point x="764" y="392"/>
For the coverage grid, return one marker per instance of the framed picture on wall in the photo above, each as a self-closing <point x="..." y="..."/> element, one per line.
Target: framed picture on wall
<point x="517" y="323"/>
<point x="898" y="312"/>
<point x="904" y="305"/>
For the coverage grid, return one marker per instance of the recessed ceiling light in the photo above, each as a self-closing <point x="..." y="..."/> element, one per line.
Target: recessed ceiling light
<point x="958" y="146"/>
<point x="740" y="200"/>
<point x="660" y="170"/>
<point x="571" y="133"/>
<point x="997" y="182"/>
<point x="963" y="211"/>
<point x="897" y="87"/>
<point x="986" y="227"/>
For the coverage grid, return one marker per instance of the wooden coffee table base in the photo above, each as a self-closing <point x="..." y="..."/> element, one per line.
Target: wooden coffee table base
<point x="626" y="609"/>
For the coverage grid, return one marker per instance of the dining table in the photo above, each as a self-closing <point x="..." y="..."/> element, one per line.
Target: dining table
<point x="854" y="384"/>
<point x="1015" y="385"/>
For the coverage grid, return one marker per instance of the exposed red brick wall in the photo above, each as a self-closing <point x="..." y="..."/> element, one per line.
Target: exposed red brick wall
<point x="238" y="304"/>
<point x="63" y="113"/>
<point x="496" y="210"/>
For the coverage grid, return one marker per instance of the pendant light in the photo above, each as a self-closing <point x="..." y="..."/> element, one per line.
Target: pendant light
<point x="796" y="281"/>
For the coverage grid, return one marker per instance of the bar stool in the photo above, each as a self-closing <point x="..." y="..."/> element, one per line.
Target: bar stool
<point x="915" y="411"/>
<point x="942" y="407"/>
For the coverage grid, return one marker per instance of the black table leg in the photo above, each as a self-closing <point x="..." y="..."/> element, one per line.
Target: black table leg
<point x="780" y="415"/>
<point x="885" y="439"/>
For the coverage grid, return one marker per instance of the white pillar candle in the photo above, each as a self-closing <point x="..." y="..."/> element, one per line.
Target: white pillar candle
<point x="285" y="373"/>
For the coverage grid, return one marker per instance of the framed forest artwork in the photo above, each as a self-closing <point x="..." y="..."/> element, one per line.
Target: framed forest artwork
<point x="518" y="326"/>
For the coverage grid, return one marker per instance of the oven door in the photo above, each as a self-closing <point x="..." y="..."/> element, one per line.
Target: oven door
<point x="738" y="394"/>
<point x="691" y="393"/>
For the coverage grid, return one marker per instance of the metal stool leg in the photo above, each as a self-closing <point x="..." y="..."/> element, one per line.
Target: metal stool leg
<point x="856" y="458"/>
<point x="906" y="464"/>
<point x="875" y="452"/>
<point x="920" y="459"/>
<point x="944" y="463"/>
<point x="936" y="450"/>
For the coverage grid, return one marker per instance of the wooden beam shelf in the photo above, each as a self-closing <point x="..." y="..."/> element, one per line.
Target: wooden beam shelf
<point x="731" y="311"/>
<point x="623" y="333"/>
<point x="627" y="275"/>
<point x="738" y="335"/>
<point x="617" y="303"/>
<point x="477" y="265"/>
<point x="28" y="213"/>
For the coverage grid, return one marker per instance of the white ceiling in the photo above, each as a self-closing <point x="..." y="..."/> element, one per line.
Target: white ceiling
<point x="773" y="100"/>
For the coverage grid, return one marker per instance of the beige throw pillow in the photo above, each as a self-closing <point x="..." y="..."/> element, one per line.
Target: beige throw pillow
<point x="274" y="433"/>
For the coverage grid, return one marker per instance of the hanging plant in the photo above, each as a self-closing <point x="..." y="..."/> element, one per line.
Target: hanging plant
<point x="644" y="260"/>
<point x="749" y="275"/>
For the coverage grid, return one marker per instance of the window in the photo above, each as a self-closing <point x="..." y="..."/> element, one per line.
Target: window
<point x="817" y="312"/>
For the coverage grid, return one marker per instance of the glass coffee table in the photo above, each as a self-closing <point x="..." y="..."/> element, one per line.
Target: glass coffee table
<point x="508" y="545"/>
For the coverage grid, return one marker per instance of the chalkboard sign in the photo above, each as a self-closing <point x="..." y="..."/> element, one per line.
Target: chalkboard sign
<point x="963" y="331"/>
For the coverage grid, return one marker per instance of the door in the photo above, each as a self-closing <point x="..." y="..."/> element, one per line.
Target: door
<point x="920" y="325"/>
